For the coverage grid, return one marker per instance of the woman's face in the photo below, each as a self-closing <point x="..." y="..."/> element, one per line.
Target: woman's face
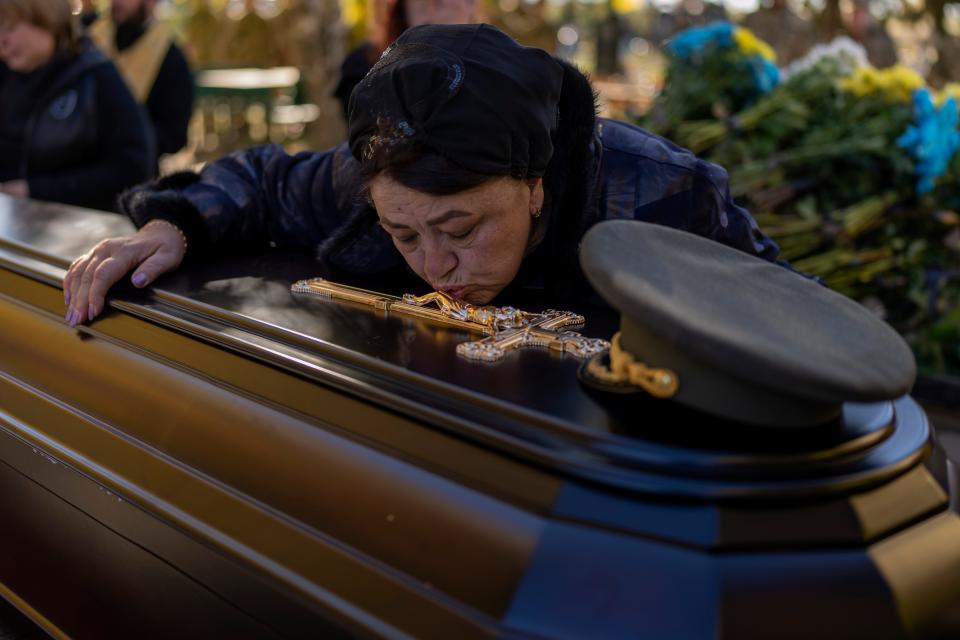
<point x="469" y="244"/>
<point x="25" y="47"/>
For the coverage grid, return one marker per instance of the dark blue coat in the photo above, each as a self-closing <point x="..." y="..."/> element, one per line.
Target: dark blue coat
<point x="73" y="131"/>
<point x="314" y="201"/>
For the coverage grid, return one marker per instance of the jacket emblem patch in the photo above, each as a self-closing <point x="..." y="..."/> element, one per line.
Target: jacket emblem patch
<point x="63" y="106"/>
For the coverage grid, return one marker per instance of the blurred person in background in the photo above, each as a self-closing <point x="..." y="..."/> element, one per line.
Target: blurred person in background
<point x="610" y="33"/>
<point x="527" y="22"/>
<point x="388" y="19"/>
<point x="775" y="23"/>
<point x="685" y="14"/>
<point x="88" y="13"/>
<point x="153" y="66"/>
<point x="69" y="129"/>
<point x="872" y="34"/>
<point x="946" y="68"/>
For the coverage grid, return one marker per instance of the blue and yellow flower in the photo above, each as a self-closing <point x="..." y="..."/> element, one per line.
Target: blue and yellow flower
<point x="698" y="39"/>
<point x="754" y="53"/>
<point x="750" y="45"/>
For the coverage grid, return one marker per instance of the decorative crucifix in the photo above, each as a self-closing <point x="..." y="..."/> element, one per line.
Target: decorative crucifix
<point x="506" y="328"/>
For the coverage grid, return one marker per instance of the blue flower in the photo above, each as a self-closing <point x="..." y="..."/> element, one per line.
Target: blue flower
<point x="932" y="139"/>
<point x="696" y="39"/>
<point x="766" y="75"/>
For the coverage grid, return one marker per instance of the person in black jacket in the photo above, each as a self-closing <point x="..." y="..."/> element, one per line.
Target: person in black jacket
<point x="474" y="164"/>
<point x="69" y="129"/>
<point x="390" y="18"/>
<point x="88" y="13"/>
<point x="154" y="67"/>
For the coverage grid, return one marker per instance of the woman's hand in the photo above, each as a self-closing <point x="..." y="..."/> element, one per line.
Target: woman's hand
<point x="156" y="248"/>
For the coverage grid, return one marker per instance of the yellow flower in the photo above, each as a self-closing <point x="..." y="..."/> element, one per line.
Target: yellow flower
<point x="896" y="83"/>
<point x="951" y="90"/>
<point x="749" y="44"/>
<point x="626" y="6"/>
<point x="902" y="82"/>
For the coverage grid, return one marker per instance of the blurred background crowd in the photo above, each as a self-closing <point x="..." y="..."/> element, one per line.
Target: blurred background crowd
<point x="281" y="70"/>
<point x="620" y="42"/>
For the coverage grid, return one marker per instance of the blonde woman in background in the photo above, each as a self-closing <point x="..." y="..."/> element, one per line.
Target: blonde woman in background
<point x="70" y="131"/>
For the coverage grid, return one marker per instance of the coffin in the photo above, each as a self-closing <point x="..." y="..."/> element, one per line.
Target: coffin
<point x="219" y="458"/>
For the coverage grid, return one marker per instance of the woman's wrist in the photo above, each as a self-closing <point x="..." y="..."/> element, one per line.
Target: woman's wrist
<point x="166" y="223"/>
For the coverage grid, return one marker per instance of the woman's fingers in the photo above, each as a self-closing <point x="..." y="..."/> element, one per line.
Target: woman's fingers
<point x="106" y="274"/>
<point x="67" y="281"/>
<point x="79" y="304"/>
<point x="91" y="276"/>
<point x="72" y="285"/>
<point x="154" y="266"/>
<point x="151" y="251"/>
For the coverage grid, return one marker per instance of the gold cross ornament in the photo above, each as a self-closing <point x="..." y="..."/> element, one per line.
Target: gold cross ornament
<point x="506" y="328"/>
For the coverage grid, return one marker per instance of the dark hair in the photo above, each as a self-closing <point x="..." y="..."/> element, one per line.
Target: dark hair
<point x="416" y="167"/>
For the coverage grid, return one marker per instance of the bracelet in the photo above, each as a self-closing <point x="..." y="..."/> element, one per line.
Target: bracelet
<point x="167" y="223"/>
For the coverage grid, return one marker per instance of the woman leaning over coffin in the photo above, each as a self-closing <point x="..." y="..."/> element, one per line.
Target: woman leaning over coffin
<point x="70" y="131"/>
<point x="473" y="162"/>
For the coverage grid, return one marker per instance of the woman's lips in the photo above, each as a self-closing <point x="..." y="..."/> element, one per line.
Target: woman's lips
<point x="456" y="292"/>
